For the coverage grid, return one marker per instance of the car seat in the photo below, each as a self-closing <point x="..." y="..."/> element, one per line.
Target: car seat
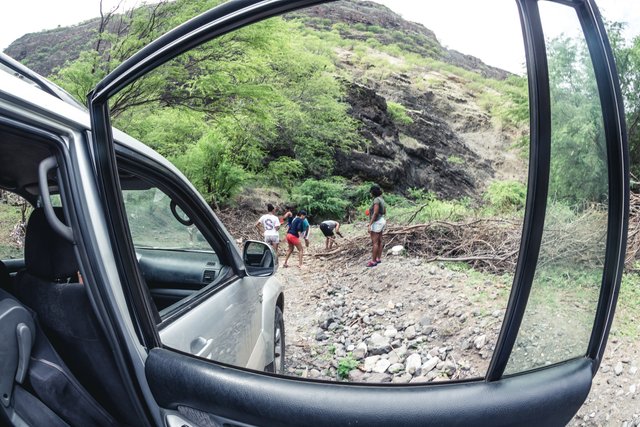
<point x="49" y="286"/>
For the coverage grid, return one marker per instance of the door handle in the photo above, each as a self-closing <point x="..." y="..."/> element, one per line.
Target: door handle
<point x="202" y="347"/>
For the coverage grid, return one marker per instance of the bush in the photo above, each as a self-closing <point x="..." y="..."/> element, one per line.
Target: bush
<point x="398" y="113"/>
<point x="322" y="198"/>
<point x="506" y="196"/>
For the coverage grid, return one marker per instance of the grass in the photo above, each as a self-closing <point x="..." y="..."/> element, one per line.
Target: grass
<point x="346" y="365"/>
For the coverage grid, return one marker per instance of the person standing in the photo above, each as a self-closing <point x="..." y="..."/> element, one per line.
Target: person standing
<point x="270" y="224"/>
<point x="328" y="228"/>
<point x="293" y="238"/>
<point x="376" y="225"/>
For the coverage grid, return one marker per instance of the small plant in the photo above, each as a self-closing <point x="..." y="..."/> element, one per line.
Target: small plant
<point x="331" y="349"/>
<point x="346" y="365"/>
<point x="455" y="160"/>
<point x="506" y="196"/>
<point x="398" y="113"/>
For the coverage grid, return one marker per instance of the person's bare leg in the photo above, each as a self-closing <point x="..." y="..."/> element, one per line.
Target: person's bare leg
<point x="300" y="254"/>
<point x="289" y="252"/>
<point x="379" y="254"/>
<point x="374" y="246"/>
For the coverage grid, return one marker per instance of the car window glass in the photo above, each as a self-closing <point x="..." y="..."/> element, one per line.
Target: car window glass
<point x="175" y="259"/>
<point x="14" y="212"/>
<point x="560" y="312"/>
<point x="153" y="223"/>
<point x="310" y="110"/>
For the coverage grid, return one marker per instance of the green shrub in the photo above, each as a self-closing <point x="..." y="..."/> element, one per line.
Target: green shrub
<point x="506" y="196"/>
<point x="346" y="365"/>
<point x="455" y="160"/>
<point x="398" y="113"/>
<point x="322" y="198"/>
<point x="283" y="172"/>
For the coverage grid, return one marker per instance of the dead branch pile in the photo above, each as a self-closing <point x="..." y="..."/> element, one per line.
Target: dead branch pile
<point x="485" y="244"/>
<point x="570" y="239"/>
<point x="633" y="239"/>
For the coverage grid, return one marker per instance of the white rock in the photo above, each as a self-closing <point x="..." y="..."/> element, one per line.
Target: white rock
<point x="414" y="362"/>
<point x="381" y="366"/>
<point x="618" y="369"/>
<point x="430" y="364"/>
<point x="397" y="250"/>
<point x="480" y="341"/>
<point x="410" y="333"/>
<point x="391" y="333"/>
<point x="395" y="368"/>
<point x="370" y="363"/>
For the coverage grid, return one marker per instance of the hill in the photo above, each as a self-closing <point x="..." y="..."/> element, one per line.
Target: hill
<point x="426" y="117"/>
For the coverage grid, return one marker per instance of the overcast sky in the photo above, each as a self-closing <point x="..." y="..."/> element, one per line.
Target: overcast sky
<point x="488" y="29"/>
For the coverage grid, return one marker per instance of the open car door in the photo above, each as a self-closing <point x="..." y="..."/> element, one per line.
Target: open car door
<point x="181" y="389"/>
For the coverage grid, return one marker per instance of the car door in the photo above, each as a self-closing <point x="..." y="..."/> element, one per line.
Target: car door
<point x="515" y="390"/>
<point x="203" y="304"/>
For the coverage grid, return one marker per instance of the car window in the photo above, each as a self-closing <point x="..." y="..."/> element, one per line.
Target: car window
<point x="561" y="309"/>
<point x="309" y="110"/>
<point x="176" y="261"/>
<point x="14" y="212"/>
<point x="156" y="222"/>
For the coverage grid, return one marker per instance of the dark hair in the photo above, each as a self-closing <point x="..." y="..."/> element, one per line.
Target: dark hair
<point x="270" y="207"/>
<point x="302" y="212"/>
<point x="376" y="191"/>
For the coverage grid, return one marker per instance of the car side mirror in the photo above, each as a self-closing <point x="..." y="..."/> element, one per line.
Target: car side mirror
<point x="259" y="259"/>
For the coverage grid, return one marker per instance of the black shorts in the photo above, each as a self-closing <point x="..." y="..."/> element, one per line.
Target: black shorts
<point x="326" y="230"/>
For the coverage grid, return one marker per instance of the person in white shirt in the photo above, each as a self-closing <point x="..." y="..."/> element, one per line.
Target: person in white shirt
<point x="270" y="224"/>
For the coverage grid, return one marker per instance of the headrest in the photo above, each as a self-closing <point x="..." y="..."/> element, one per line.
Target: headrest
<point x="48" y="255"/>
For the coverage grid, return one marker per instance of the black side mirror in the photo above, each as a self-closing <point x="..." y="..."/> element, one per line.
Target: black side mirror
<point x="259" y="259"/>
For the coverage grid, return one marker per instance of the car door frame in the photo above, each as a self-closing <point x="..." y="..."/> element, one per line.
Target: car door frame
<point x="192" y="203"/>
<point x="190" y="387"/>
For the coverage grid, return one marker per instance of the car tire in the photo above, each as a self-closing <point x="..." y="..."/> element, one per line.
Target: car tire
<point x="277" y="366"/>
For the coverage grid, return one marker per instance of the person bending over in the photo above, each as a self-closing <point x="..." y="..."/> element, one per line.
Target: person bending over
<point x="328" y="228"/>
<point x="270" y="224"/>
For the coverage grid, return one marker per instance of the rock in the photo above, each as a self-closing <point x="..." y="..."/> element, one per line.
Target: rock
<point x="378" y="344"/>
<point x="430" y="364"/>
<point x="378" y="378"/>
<point x="480" y="341"/>
<point x="321" y="336"/>
<point x="370" y="363"/>
<point x="380" y="311"/>
<point x="413" y="362"/>
<point x="356" y="375"/>
<point x="395" y="368"/>
<point x="391" y="305"/>
<point x="401" y="351"/>
<point x="633" y="370"/>
<point x="425" y="321"/>
<point x="410" y="333"/>
<point x="314" y="373"/>
<point x="390" y="333"/>
<point x="381" y="366"/>
<point x="432" y="271"/>
<point x="360" y="351"/>
<point x="402" y="379"/>
<point x="618" y="369"/>
<point x="397" y="250"/>
<point x="632" y="389"/>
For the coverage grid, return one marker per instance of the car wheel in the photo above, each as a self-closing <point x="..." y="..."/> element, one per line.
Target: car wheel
<point x="278" y="342"/>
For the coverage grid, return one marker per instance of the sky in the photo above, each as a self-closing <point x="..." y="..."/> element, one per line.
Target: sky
<point x="488" y="29"/>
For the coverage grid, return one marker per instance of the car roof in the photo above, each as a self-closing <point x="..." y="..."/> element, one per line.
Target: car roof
<point x="24" y="98"/>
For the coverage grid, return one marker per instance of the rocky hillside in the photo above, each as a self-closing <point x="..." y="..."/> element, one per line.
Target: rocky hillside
<point x="446" y="142"/>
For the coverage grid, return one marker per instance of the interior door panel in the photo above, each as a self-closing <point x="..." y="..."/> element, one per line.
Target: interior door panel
<point x="549" y="397"/>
